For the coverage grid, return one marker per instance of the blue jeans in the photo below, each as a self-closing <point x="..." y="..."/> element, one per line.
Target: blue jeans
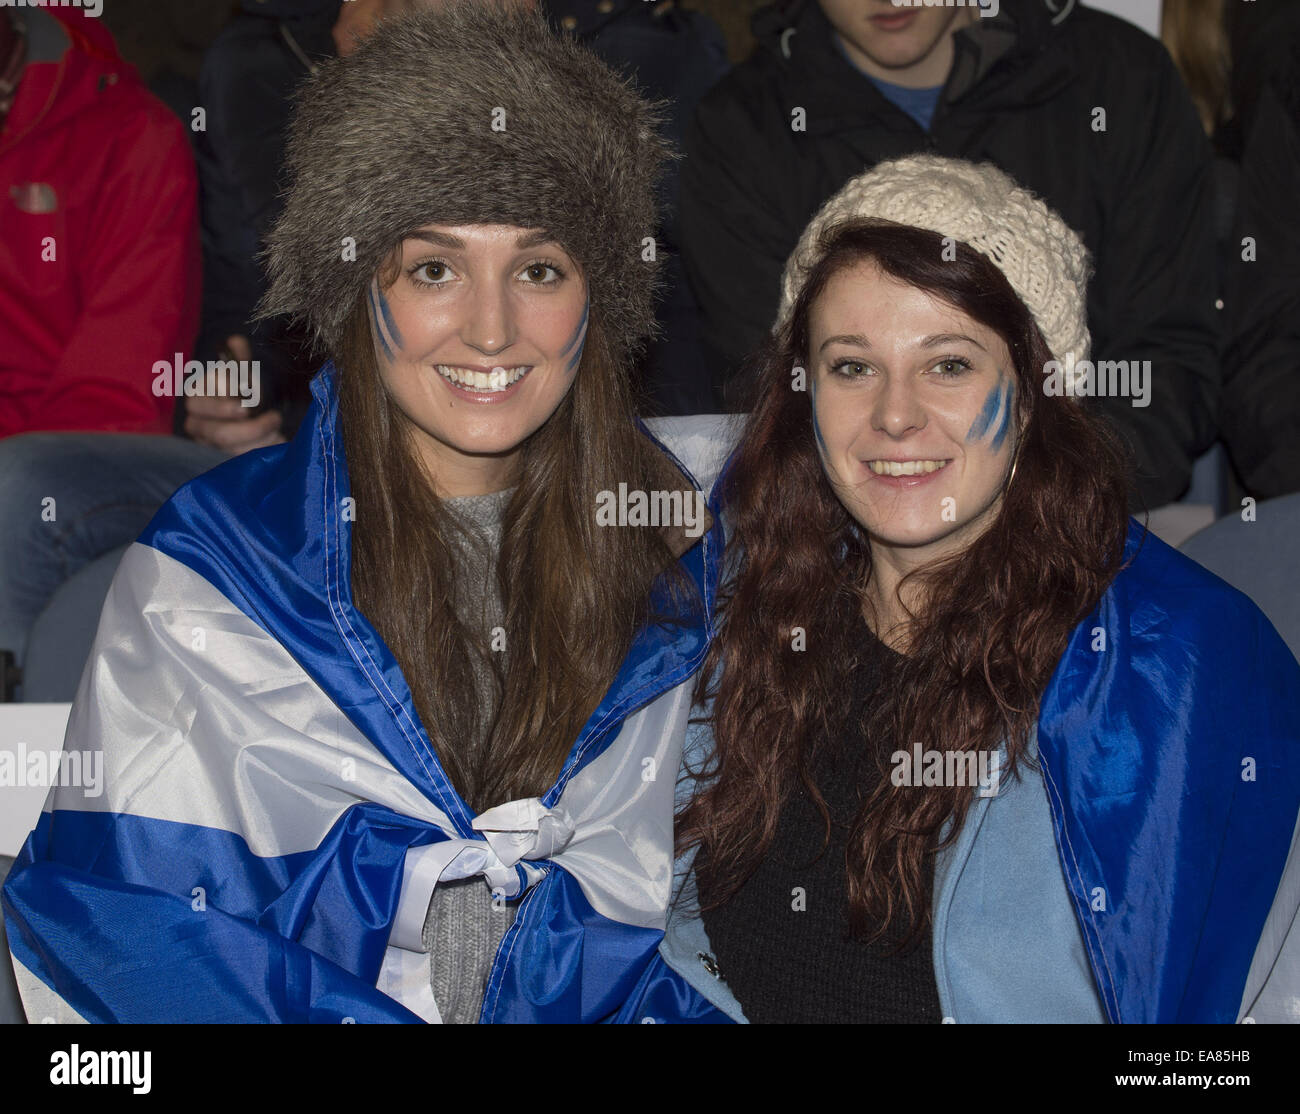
<point x="68" y="498"/>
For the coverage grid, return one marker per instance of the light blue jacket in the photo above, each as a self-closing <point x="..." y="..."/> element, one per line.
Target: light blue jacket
<point x="988" y="967"/>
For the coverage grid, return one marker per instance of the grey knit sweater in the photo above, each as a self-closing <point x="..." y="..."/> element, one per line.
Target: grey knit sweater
<point x="464" y="927"/>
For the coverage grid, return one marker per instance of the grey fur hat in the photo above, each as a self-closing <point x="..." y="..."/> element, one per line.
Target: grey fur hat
<point x="401" y="134"/>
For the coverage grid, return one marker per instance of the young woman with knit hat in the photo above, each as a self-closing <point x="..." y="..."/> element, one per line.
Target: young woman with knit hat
<point x="976" y="747"/>
<point x="388" y="722"/>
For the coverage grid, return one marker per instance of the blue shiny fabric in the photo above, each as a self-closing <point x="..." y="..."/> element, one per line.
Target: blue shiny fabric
<point x="562" y="941"/>
<point x="563" y="961"/>
<point x="1171" y="850"/>
<point x="663" y="996"/>
<point x="260" y="947"/>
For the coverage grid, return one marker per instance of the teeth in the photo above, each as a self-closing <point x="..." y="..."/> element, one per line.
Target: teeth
<point x="905" y="467"/>
<point x="498" y="379"/>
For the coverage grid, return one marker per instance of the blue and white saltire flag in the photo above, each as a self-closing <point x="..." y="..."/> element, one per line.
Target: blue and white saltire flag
<point x="273" y="817"/>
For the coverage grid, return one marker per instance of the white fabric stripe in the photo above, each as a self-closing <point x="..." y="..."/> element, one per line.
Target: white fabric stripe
<point x="204" y="718"/>
<point x="1273" y="983"/>
<point x="40" y="1003"/>
<point x="420" y="874"/>
<point x="404" y="977"/>
<point x="447" y="861"/>
<point x="622" y="810"/>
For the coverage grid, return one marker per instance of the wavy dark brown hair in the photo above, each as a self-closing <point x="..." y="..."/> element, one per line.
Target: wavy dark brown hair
<point x="574" y="593"/>
<point x="981" y="645"/>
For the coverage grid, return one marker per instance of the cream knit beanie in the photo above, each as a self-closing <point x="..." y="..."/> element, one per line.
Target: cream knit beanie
<point x="1042" y="257"/>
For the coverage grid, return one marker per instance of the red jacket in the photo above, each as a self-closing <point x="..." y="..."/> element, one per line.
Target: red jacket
<point x="96" y="167"/>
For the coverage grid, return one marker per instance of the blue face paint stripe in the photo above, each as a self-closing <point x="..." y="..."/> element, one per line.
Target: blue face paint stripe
<point x="578" y="338"/>
<point x="393" y="333"/>
<point x="1004" y="417"/>
<point x="377" y="324"/>
<point x="581" y="327"/>
<point x="984" y="419"/>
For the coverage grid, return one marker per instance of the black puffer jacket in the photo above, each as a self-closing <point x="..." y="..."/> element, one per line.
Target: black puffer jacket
<point x="1021" y="94"/>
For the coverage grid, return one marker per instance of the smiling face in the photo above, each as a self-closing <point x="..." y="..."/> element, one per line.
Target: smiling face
<point x="478" y="341"/>
<point x="913" y="410"/>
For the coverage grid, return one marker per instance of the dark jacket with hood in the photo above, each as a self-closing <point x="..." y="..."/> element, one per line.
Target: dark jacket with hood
<point x="1260" y="415"/>
<point x="1022" y="93"/>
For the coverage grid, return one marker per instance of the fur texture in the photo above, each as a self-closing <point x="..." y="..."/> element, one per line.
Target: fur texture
<point x="400" y="135"/>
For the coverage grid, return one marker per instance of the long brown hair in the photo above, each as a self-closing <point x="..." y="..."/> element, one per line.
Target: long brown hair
<point x="574" y="593"/>
<point x="991" y="627"/>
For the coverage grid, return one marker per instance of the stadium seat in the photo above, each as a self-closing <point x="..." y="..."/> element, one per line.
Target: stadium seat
<point x="1259" y="559"/>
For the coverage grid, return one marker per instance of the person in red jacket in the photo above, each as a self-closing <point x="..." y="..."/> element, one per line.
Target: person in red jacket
<point x="99" y="246"/>
<point x="100" y="279"/>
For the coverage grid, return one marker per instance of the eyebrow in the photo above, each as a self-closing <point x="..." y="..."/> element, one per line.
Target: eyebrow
<point x="929" y="342"/>
<point x="846" y="338"/>
<point x="443" y="240"/>
<point x="948" y="338"/>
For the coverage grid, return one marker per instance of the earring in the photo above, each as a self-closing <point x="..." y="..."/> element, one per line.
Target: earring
<point x="1011" y="476"/>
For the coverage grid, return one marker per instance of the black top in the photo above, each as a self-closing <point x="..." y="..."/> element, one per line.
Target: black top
<point x="788" y="964"/>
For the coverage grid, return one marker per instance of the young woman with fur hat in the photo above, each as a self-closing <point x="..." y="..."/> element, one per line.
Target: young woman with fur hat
<point x="388" y="721"/>
<point x="978" y="748"/>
